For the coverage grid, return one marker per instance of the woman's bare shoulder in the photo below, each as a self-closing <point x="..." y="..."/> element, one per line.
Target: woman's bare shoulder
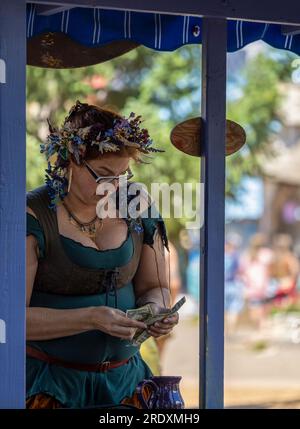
<point x="30" y="211"/>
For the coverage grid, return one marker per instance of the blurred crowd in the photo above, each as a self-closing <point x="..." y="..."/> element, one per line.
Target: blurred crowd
<point x="260" y="277"/>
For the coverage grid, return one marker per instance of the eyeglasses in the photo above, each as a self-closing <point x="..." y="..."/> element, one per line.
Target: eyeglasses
<point x="107" y="179"/>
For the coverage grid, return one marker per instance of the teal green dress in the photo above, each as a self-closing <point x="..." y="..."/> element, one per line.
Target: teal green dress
<point x="80" y="389"/>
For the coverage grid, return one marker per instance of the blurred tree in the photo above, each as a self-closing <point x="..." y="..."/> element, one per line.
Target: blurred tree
<point x="154" y="85"/>
<point x="256" y="109"/>
<point x="164" y="87"/>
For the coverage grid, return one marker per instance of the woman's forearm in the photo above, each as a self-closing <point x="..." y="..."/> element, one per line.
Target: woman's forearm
<point x="157" y="295"/>
<point x="47" y="323"/>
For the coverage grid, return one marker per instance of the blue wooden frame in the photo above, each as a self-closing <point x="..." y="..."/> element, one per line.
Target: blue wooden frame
<point x="12" y="175"/>
<point x="213" y="112"/>
<point x="12" y="201"/>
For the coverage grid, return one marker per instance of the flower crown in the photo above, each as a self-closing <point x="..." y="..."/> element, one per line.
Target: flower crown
<point x="69" y="142"/>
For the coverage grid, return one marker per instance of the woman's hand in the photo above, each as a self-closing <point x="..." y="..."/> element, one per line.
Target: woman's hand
<point x="114" y="322"/>
<point x="166" y="325"/>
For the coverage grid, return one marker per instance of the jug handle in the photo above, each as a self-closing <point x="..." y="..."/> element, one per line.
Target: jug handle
<point x="139" y="390"/>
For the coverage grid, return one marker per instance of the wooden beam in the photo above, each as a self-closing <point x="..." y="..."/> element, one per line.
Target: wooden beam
<point x="284" y="12"/>
<point x="213" y="106"/>
<point x="290" y="30"/>
<point x="12" y="202"/>
<point x="48" y="10"/>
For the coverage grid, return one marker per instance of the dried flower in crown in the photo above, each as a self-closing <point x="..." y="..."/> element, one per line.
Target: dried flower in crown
<point x="67" y="142"/>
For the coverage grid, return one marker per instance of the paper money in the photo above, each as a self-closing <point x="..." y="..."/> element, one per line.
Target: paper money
<point x="146" y="315"/>
<point x="140" y="313"/>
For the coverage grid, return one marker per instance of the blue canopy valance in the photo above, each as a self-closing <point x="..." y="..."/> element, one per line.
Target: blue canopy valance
<point x="95" y="27"/>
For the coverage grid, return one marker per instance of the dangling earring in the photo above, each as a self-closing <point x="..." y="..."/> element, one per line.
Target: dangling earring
<point x="70" y="179"/>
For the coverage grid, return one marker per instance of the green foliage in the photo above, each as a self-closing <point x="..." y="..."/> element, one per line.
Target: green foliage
<point x="257" y="111"/>
<point x="165" y="89"/>
<point x="35" y="164"/>
<point x="290" y="308"/>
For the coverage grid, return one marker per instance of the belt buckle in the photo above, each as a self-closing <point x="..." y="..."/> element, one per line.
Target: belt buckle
<point x="104" y="365"/>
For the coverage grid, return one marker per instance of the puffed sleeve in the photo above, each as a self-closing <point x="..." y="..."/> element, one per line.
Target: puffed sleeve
<point x="152" y="222"/>
<point x="34" y="228"/>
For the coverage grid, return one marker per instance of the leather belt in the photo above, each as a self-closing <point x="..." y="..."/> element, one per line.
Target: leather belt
<point x="98" y="367"/>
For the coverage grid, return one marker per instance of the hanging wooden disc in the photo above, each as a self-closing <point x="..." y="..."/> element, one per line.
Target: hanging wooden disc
<point x="187" y="137"/>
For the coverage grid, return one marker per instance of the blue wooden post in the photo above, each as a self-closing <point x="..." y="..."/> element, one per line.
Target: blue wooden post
<point x="12" y="202"/>
<point x="12" y="176"/>
<point x="214" y="36"/>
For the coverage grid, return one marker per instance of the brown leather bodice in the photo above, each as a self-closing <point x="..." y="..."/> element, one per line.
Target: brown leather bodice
<point x="57" y="273"/>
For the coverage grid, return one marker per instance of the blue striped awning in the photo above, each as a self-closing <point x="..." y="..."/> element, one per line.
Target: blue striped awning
<point x="94" y="27"/>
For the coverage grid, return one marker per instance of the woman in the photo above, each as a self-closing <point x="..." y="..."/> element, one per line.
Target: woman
<point x="84" y="272"/>
<point x="234" y="299"/>
<point x="254" y="271"/>
<point x="284" y="271"/>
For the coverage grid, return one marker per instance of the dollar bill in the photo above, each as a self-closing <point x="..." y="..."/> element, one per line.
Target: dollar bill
<point x="146" y="315"/>
<point x="140" y="313"/>
<point x="143" y="314"/>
